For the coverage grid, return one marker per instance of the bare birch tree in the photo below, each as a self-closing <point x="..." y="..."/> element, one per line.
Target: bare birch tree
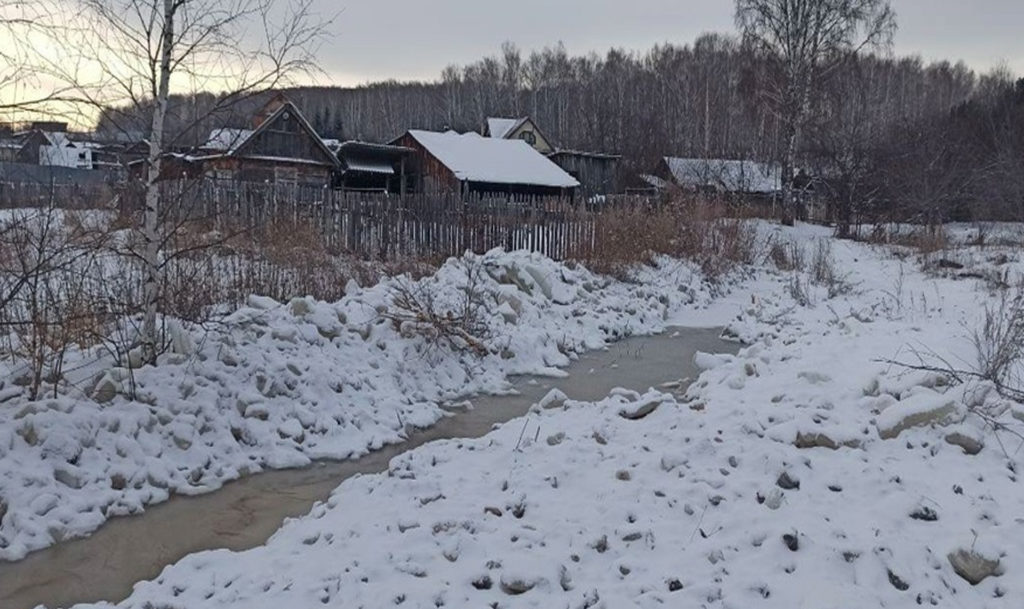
<point x="808" y="40"/>
<point x="129" y="58"/>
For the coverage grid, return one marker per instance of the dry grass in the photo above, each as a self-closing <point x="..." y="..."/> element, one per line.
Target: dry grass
<point x="787" y="255"/>
<point x="922" y="239"/>
<point x="209" y="268"/>
<point x="692" y="229"/>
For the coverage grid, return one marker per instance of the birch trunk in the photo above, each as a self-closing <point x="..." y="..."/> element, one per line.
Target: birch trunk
<point x="151" y="213"/>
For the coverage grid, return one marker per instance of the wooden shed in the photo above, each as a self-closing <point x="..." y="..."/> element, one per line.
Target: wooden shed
<point x="371" y="167"/>
<point x="737" y="180"/>
<point x="470" y="163"/>
<point x="598" y="174"/>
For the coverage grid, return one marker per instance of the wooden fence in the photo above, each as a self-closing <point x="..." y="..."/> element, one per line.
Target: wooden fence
<point x="14" y="194"/>
<point x="390" y="227"/>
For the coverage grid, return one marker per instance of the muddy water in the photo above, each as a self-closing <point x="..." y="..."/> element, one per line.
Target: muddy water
<point x="245" y="513"/>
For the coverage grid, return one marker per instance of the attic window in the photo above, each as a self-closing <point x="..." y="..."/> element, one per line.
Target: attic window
<point x="287" y="115"/>
<point x="529" y="137"/>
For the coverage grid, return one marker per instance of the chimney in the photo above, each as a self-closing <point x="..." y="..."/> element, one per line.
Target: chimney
<point x="271" y="107"/>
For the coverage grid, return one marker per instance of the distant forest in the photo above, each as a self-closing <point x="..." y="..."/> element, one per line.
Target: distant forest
<point x="890" y="132"/>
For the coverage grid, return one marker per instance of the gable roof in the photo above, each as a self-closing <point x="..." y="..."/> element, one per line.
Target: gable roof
<point x="289" y="107"/>
<point x="500" y="128"/>
<point x="726" y="175"/>
<point x="233" y="142"/>
<point x="473" y="158"/>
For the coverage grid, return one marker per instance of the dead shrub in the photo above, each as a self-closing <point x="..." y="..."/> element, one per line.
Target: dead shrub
<point x="722" y="244"/>
<point x="824" y="272"/>
<point x="999" y="344"/>
<point x="787" y="255"/>
<point x="799" y="290"/>
<point x="47" y="293"/>
<point x="419" y="309"/>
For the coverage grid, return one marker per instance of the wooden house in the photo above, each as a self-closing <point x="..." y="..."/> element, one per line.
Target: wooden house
<point x="470" y="163"/>
<point x="737" y="180"/>
<point x="596" y="172"/>
<point x="280" y="147"/>
<point x="519" y="129"/>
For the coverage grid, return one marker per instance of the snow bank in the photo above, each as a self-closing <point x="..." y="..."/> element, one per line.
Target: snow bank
<point x="277" y="385"/>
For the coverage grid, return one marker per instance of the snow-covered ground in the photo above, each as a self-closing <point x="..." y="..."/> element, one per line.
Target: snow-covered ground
<point x="804" y="472"/>
<point x="276" y="385"/>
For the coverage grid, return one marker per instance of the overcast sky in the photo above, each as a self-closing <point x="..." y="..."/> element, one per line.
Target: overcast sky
<point x="415" y="39"/>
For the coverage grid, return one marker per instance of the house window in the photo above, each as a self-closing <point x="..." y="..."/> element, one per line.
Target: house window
<point x="529" y="137"/>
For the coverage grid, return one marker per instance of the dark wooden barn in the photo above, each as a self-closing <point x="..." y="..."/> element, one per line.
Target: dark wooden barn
<point x="23" y="147"/>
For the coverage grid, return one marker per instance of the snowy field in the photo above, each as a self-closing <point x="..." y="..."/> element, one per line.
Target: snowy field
<point x="808" y="471"/>
<point x="804" y="472"/>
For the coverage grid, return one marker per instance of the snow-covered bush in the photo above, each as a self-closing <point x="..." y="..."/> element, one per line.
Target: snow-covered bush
<point x="48" y="299"/>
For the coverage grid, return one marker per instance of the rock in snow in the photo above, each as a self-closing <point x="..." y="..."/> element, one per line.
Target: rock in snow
<point x="972" y="566"/>
<point x="971" y="442"/>
<point x="923" y="408"/>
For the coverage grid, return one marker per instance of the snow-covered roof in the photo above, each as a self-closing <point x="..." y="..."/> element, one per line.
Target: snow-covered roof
<point x="499" y="128"/>
<point x="227" y="139"/>
<point x="369" y="166"/>
<point x="654" y="181"/>
<point x="726" y="175"/>
<point x="474" y="158"/>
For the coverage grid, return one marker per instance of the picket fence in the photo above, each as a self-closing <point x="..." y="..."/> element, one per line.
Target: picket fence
<point x="391" y="227"/>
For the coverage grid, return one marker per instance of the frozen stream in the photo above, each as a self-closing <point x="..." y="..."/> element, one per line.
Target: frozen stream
<point x="245" y="513"/>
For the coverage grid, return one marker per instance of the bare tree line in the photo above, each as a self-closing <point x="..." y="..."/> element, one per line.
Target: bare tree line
<point x="700" y="99"/>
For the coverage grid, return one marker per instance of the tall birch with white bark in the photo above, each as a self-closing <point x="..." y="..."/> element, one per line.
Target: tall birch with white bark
<point x="807" y="40"/>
